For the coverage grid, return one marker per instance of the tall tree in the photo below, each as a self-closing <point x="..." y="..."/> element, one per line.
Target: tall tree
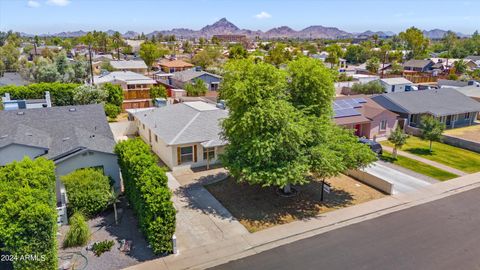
<point x="432" y="129"/>
<point x="373" y="64"/>
<point x="149" y="52"/>
<point x="117" y="43"/>
<point x="449" y="41"/>
<point x="415" y="41"/>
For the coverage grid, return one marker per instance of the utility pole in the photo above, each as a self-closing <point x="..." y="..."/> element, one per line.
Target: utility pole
<point x="91" y="65"/>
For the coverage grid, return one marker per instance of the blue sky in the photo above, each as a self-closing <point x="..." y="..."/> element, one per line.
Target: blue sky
<point x="52" y="16"/>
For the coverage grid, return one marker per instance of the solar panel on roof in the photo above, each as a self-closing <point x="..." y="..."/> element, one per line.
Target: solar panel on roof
<point x="345" y="113"/>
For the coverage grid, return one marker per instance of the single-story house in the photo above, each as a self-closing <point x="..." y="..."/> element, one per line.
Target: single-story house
<point x="367" y="118"/>
<point x="212" y="81"/>
<point x="73" y="137"/>
<point x="183" y="135"/>
<point x="137" y="66"/>
<point x="451" y="107"/>
<point x="136" y="87"/>
<point x="471" y="91"/>
<point x="418" y="65"/>
<point x="398" y="84"/>
<point x="170" y="66"/>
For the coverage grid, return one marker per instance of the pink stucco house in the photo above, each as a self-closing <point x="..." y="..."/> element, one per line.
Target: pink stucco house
<point x="365" y="116"/>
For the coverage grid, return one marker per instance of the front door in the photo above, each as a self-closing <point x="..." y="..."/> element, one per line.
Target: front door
<point x="449" y="120"/>
<point x="358" y="130"/>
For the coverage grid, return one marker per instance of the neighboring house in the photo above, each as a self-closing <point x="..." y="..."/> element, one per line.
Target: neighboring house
<point x="367" y="118"/>
<point x="73" y="137"/>
<point x="136" y="87"/>
<point x="135" y="44"/>
<point x="418" y="65"/>
<point x="475" y="59"/>
<point x="455" y="84"/>
<point x="183" y="135"/>
<point x="9" y="104"/>
<point x="12" y="78"/>
<point x="471" y="91"/>
<point x="137" y="66"/>
<point x="449" y="106"/>
<point x="342" y="63"/>
<point x="170" y="66"/>
<point x="212" y="81"/>
<point x="399" y="84"/>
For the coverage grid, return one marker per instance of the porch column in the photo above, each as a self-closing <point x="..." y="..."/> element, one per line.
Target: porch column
<point x="454" y="117"/>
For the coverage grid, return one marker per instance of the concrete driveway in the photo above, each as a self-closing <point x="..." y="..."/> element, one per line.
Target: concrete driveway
<point x="402" y="182"/>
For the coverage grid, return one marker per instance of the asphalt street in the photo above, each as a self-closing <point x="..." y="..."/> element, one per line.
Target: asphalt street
<point x="444" y="234"/>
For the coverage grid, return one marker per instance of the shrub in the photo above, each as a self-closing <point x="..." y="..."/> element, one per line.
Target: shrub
<point x="197" y="88"/>
<point x="61" y="93"/>
<point x="28" y="218"/>
<point x="78" y="233"/>
<point x="101" y="247"/>
<point x="147" y="191"/>
<point x="158" y="91"/>
<point x="373" y="87"/>
<point x="87" y="190"/>
<point x="112" y="110"/>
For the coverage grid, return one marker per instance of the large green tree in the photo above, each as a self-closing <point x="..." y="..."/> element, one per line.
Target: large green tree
<point x="415" y="41"/>
<point x="149" y="52"/>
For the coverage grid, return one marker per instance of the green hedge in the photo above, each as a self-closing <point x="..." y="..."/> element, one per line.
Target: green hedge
<point x="61" y="93"/>
<point x="88" y="191"/>
<point x="28" y="216"/>
<point x="147" y="191"/>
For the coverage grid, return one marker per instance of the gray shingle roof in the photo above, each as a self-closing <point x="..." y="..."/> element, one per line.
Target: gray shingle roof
<point x="183" y="123"/>
<point x="473" y="57"/>
<point x="470" y="91"/>
<point x="417" y="63"/>
<point x="189" y="74"/>
<point x="58" y="129"/>
<point x="12" y="78"/>
<point x="122" y="64"/>
<point x="440" y="102"/>
<point x="443" y="83"/>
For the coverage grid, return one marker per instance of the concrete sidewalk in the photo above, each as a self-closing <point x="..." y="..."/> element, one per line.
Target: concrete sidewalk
<point x="426" y="161"/>
<point x="249" y="244"/>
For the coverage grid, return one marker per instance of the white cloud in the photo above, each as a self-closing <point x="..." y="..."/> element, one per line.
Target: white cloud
<point x="33" y="4"/>
<point x="263" y="15"/>
<point x="60" y="3"/>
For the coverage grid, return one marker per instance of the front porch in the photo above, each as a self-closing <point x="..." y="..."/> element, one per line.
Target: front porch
<point x="450" y="121"/>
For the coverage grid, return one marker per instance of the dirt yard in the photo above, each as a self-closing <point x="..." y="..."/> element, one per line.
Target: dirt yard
<point x="259" y="208"/>
<point x="471" y="133"/>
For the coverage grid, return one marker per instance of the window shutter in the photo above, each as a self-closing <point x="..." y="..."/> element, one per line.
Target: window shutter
<point x="195" y="153"/>
<point x="179" y="157"/>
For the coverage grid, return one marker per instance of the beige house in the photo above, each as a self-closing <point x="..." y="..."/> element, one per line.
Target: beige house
<point x="136" y="87"/>
<point x="184" y="135"/>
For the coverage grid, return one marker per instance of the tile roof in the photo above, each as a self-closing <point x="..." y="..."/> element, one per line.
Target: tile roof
<point x="438" y="102"/>
<point x="187" y="122"/>
<point x="175" y="64"/>
<point x="61" y="130"/>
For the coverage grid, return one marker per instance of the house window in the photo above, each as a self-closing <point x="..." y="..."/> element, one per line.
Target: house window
<point x="186" y="154"/>
<point x="209" y="153"/>
<point x="156" y="138"/>
<point x="467" y="116"/>
<point x="383" y="125"/>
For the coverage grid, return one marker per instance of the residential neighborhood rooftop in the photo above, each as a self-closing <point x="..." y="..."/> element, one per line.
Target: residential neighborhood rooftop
<point x="194" y="122"/>
<point x="128" y="64"/>
<point x="439" y="102"/>
<point x="189" y="74"/>
<point x="128" y="77"/>
<point x="59" y="130"/>
<point x="397" y="80"/>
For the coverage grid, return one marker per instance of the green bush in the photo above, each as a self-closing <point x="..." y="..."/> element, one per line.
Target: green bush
<point x="78" y="233"/>
<point x="147" y="191"/>
<point x="61" y="93"/>
<point x="28" y="218"/>
<point x="112" y="110"/>
<point x="101" y="247"/>
<point x="197" y="88"/>
<point x="87" y="191"/>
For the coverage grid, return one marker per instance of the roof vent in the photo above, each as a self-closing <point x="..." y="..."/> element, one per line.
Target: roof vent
<point x="66" y="139"/>
<point x="72" y="110"/>
<point x="20" y="113"/>
<point x="29" y="134"/>
<point x="3" y="136"/>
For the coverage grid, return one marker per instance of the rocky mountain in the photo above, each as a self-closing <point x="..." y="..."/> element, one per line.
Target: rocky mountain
<point x="223" y="26"/>
<point x="439" y="34"/>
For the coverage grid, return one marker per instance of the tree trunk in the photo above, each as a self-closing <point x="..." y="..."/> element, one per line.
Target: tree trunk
<point x="287" y="189"/>
<point x="430" y="146"/>
<point x="394" y="153"/>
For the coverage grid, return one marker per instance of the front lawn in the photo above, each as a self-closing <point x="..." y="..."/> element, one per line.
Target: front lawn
<point x="259" y="208"/>
<point x="451" y="156"/>
<point x="418" y="167"/>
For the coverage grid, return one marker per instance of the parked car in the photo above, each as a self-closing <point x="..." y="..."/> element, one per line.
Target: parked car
<point x="375" y="146"/>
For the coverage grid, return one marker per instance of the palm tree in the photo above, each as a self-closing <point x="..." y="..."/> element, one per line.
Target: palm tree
<point x="113" y="199"/>
<point x="117" y="43"/>
<point x="88" y="39"/>
<point x="398" y="138"/>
